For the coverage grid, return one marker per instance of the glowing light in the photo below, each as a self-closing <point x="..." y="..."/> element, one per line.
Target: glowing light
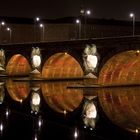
<point x="82" y="11"/>
<point x="8" y="29"/>
<point x="137" y="131"/>
<point x="77" y="21"/>
<point x="1" y="127"/>
<point x="20" y="100"/>
<point x="39" y="122"/>
<point x="37" y="19"/>
<point x="65" y="112"/>
<point x="35" y="99"/>
<point x="88" y="12"/>
<point x="91" y="111"/>
<point x="36" y="60"/>
<point x="91" y="128"/>
<point x="35" y="137"/>
<point x="85" y="126"/>
<point x="92" y="61"/>
<point x="132" y="15"/>
<point x="138" y="51"/>
<point x="76" y="133"/>
<point x="41" y="25"/>
<point x="2" y="23"/>
<point x="7" y="112"/>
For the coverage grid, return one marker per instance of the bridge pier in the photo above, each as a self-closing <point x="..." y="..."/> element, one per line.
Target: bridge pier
<point x="35" y="62"/>
<point x="2" y="61"/>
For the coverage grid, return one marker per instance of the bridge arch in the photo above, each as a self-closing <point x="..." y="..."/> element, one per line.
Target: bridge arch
<point x="121" y="69"/>
<point x="18" y="65"/>
<point x="61" y="65"/>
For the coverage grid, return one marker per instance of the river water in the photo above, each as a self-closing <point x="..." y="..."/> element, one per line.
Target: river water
<point x="39" y="110"/>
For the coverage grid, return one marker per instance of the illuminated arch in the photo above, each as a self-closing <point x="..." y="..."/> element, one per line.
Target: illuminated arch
<point x="18" y="65"/>
<point x="61" y="65"/>
<point x="121" y="69"/>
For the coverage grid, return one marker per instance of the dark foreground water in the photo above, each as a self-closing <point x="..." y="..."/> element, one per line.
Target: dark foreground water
<point x="36" y="110"/>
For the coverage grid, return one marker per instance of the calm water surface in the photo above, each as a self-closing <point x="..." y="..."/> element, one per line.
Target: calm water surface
<point x="40" y="110"/>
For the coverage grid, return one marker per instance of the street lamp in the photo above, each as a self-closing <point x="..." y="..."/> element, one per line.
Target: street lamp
<point x="42" y="27"/>
<point x="78" y="22"/>
<point x="10" y="33"/>
<point x="85" y="13"/>
<point x="2" y="23"/>
<point x="36" y="21"/>
<point x="132" y="15"/>
<point x="88" y="12"/>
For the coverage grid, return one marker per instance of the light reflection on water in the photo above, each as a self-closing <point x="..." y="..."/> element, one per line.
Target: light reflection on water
<point x="122" y="106"/>
<point x="75" y="107"/>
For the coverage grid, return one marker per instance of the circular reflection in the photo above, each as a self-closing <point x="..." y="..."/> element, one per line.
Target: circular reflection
<point x="122" y="106"/>
<point x="61" y="99"/>
<point x="18" y="91"/>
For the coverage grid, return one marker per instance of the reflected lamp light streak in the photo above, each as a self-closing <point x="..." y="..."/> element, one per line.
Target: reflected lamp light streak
<point x="76" y="133"/>
<point x="1" y="127"/>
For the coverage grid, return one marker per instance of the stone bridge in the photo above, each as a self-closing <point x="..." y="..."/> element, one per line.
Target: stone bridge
<point x="117" y="59"/>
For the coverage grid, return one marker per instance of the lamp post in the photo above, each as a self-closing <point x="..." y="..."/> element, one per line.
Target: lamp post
<point x="85" y="13"/>
<point x="1" y="24"/>
<point x="78" y="22"/>
<point x="10" y="33"/>
<point x="36" y="21"/>
<point x="132" y="15"/>
<point x="42" y="27"/>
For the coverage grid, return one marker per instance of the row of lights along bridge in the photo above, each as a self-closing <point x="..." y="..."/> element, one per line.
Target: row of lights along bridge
<point x="3" y="25"/>
<point x="84" y="13"/>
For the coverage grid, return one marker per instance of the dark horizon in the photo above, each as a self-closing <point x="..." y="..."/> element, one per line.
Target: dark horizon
<point x="57" y="9"/>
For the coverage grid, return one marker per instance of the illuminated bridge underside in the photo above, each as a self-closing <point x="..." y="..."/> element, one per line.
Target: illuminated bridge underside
<point x="122" y="106"/>
<point x="121" y="69"/>
<point x="18" y="65"/>
<point x="61" y="99"/>
<point x="61" y="65"/>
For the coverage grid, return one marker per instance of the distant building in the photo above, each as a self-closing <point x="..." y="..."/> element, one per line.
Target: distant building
<point x="26" y="30"/>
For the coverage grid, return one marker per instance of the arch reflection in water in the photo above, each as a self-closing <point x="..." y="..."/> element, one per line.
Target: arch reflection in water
<point x="121" y="69"/>
<point x="61" y="99"/>
<point x="2" y="92"/>
<point x="18" y="91"/>
<point x="122" y="106"/>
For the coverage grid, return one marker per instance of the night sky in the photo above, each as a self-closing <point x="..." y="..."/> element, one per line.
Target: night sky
<point x="115" y="9"/>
